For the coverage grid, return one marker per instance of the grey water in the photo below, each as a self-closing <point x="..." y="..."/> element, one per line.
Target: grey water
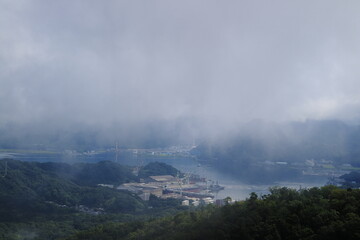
<point x="234" y="188"/>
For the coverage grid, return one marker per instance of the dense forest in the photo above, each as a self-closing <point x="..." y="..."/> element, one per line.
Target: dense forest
<point x="316" y="213"/>
<point x="157" y="168"/>
<point x="53" y="200"/>
<point x="58" y="201"/>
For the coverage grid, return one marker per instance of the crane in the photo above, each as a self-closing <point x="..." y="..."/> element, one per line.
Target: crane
<point x="179" y="182"/>
<point x="117" y="150"/>
<point x="6" y="168"/>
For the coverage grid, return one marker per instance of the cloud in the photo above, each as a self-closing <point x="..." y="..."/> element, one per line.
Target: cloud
<point x="217" y="63"/>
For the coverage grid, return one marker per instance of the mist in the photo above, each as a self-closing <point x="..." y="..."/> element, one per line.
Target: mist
<point x="183" y="70"/>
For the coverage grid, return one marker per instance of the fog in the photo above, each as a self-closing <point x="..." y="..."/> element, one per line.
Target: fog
<point x="189" y="68"/>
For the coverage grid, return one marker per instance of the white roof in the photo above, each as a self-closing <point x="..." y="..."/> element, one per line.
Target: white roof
<point x="163" y="178"/>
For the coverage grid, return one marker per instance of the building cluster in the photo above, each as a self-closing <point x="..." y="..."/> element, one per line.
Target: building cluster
<point x="192" y="189"/>
<point x="312" y="167"/>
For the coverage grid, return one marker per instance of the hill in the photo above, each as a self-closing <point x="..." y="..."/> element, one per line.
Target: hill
<point x="316" y="213"/>
<point x="53" y="200"/>
<point x="91" y="174"/>
<point x="252" y="153"/>
<point x="157" y="168"/>
<point x="28" y="187"/>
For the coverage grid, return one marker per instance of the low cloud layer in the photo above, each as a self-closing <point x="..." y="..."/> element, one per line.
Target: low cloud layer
<point x="208" y="63"/>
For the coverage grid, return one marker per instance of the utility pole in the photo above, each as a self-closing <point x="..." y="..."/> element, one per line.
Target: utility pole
<point x="116" y="151"/>
<point x="180" y="183"/>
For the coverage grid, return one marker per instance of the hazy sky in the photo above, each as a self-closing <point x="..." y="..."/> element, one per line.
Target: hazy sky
<point x="215" y="62"/>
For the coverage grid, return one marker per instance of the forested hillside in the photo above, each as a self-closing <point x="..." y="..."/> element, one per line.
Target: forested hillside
<point x="52" y="200"/>
<point x="157" y="168"/>
<point x="316" y="213"/>
<point x="90" y="174"/>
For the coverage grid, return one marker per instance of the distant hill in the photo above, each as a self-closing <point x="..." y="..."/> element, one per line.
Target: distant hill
<point x="244" y="153"/>
<point x="157" y="168"/>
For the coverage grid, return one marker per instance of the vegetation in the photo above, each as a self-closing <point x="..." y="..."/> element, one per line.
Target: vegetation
<point x="91" y="174"/>
<point x="53" y="200"/>
<point x="27" y="184"/>
<point x="316" y="213"/>
<point x="351" y="180"/>
<point x="157" y="168"/>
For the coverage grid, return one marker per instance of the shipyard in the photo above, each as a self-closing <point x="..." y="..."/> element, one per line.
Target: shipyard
<point x="189" y="187"/>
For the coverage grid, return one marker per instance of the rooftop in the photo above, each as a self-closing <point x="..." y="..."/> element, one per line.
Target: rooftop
<point x="163" y="178"/>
